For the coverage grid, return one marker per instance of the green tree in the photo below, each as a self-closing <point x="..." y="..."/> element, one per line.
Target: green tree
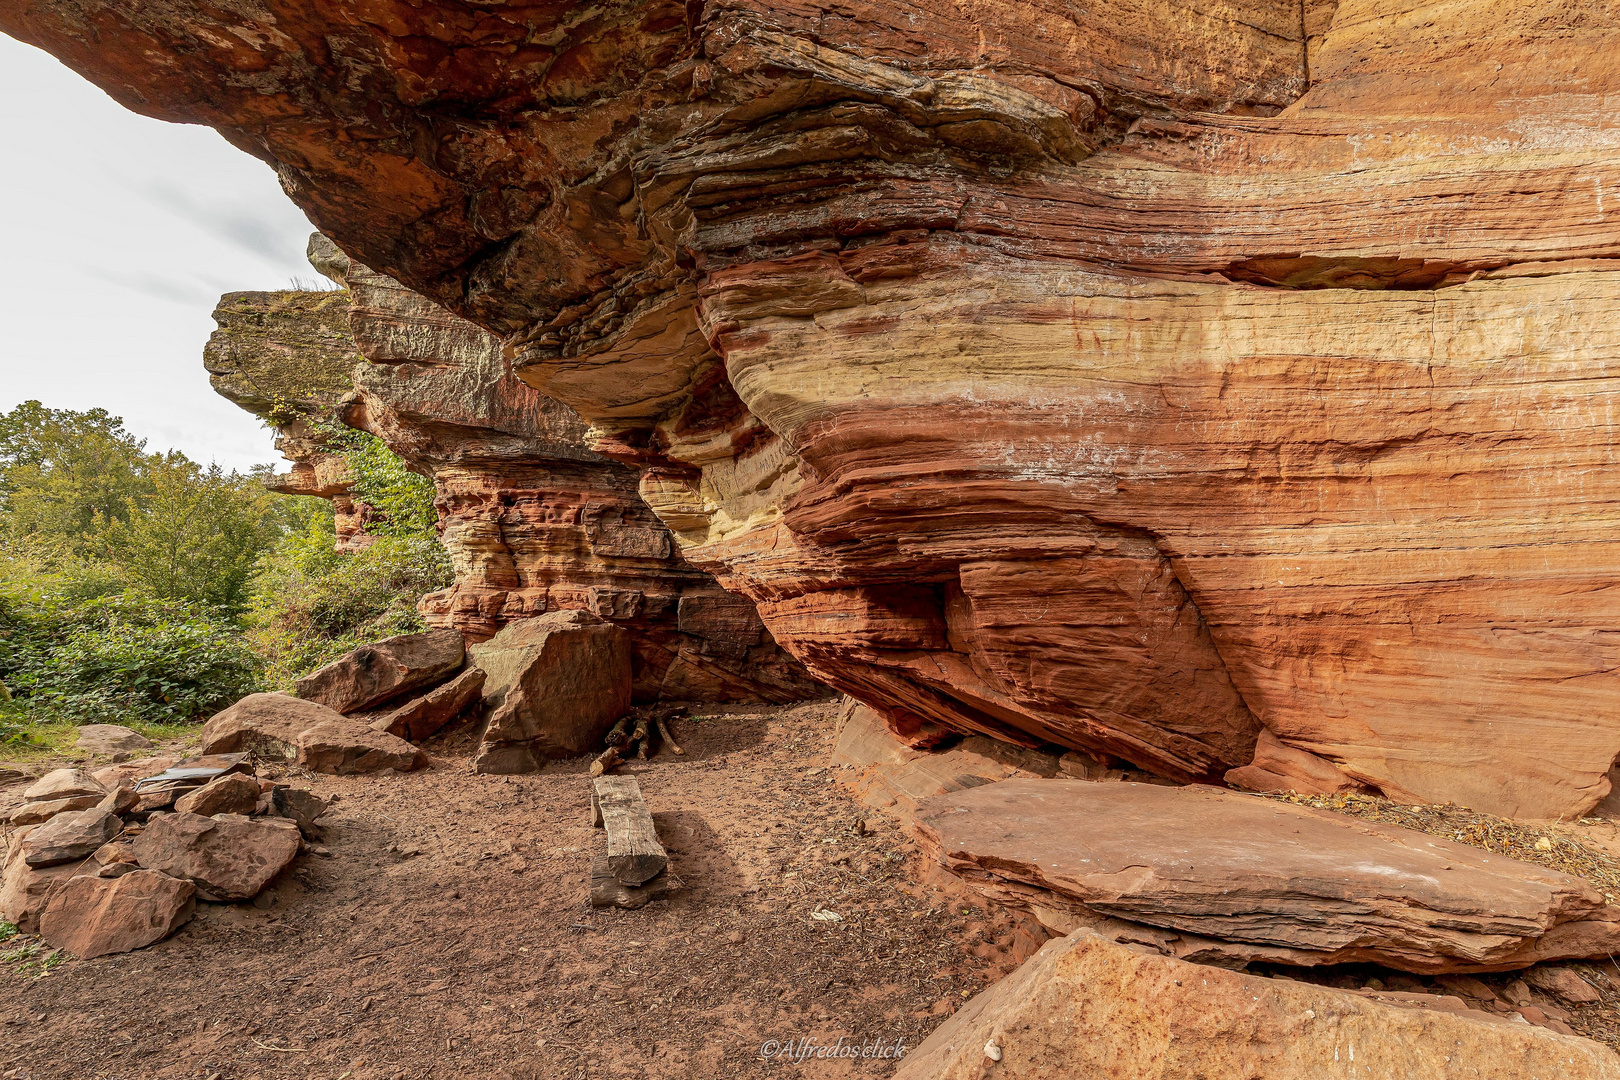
<point x="65" y="475"/>
<point x="402" y="500"/>
<point x="196" y="535"/>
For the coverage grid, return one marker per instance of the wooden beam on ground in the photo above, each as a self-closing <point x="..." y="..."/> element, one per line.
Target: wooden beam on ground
<point x="609" y="891"/>
<point x="633" y="852"/>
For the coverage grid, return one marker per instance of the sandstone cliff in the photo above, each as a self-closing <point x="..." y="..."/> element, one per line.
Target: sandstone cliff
<point x="1132" y="377"/>
<point x="533" y="521"/>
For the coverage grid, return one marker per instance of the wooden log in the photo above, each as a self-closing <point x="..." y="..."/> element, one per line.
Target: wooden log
<point x="633" y="852"/>
<point x="663" y="732"/>
<point x="609" y="891"/>
<point x="606" y="761"/>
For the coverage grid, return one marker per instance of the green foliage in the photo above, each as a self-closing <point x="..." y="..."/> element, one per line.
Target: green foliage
<point x="197" y="535"/>
<point x="402" y="500"/>
<point x="145" y="589"/>
<point x="311" y="603"/>
<point x="123" y="658"/>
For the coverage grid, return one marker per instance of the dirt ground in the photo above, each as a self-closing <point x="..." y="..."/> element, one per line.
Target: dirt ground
<point x="445" y="932"/>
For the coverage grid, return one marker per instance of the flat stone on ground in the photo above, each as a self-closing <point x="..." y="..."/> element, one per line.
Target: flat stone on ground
<point x="1240" y="877"/>
<point x="232" y="793"/>
<point x="110" y="739"/>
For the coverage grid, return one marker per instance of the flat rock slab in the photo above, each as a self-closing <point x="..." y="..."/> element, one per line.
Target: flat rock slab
<point x="228" y="857"/>
<point x="425" y="716"/>
<point x="110" y="739"/>
<point x="70" y="836"/>
<point x="1270" y="880"/>
<point x="1085" y="1007"/>
<point x="95" y="916"/>
<point x="285" y="728"/>
<point x="375" y="673"/>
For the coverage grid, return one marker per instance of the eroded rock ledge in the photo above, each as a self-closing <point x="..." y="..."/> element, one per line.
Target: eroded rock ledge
<point x="533" y="521"/>
<point x="1133" y="378"/>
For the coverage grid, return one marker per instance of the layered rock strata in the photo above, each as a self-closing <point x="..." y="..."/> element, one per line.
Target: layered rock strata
<point x="287" y="357"/>
<point x="1133" y="378"/>
<point x="533" y="520"/>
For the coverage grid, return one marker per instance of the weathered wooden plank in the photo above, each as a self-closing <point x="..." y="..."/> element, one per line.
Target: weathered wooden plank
<point x="633" y="852"/>
<point x="609" y="891"/>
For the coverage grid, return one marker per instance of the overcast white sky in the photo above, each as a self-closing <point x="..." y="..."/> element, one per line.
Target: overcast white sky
<point x="117" y="235"/>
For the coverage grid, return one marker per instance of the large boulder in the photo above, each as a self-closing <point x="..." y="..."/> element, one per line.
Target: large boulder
<point x="375" y="673"/>
<point x="319" y="738"/>
<point x="93" y="916"/>
<point x="69" y="837"/>
<point x="1235" y="877"/>
<point x="228" y="857"/>
<point x="1084" y="1007"/>
<point x="424" y="716"/>
<point x="553" y="686"/>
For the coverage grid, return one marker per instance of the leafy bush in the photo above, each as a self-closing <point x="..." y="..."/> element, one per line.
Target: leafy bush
<point x="402" y="500"/>
<point x="311" y="603"/>
<point x="125" y="658"/>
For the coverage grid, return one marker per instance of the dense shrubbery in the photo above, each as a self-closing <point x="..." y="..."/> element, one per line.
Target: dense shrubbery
<point x="144" y="589"/>
<point x="312" y="603"/>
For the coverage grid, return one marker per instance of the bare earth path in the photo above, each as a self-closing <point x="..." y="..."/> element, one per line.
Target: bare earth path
<point x="446" y="934"/>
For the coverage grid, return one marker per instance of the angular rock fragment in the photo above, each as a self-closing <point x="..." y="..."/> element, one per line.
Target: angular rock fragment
<point x="24" y="889"/>
<point x="374" y="673"/>
<point x="231" y="793"/>
<point x="425" y="716"/>
<point x="110" y="739"/>
<point x="69" y="837"/>
<point x="94" y="916"/>
<point x="116" y="858"/>
<point x="63" y="784"/>
<point x="120" y="800"/>
<point x="228" y="857"/>
<point x="1086" y="1007"/>
<point x="280" y="727"/>
<point x="302" y="807"/>
<point x="129" y="772"/>
<point x="553" y="686"/>
<point x="1562" y="983"/>
<point x="1230" y="877"/>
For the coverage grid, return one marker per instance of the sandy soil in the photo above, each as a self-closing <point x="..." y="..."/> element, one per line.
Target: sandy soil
<point x="446" y="933"/>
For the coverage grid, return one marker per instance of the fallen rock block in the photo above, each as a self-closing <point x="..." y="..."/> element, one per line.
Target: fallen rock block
<point x="70" y="836"/>
<point x="232" y="793"/>
<point x="553" y="686"/>
<point x="372" y="674"/>
<point x="228" y="857"/>
<point x="302" y="807"/>
<point x="284" y="728"/>
<point x="120" y="800"/>
<point x="56" y="792"/>
<point x="110" y="739"/>
<point x="1562" y="983"/>
<point x="33" y="813"/>
<point x="94" y="916"/>
<point x="115" y="859"/>
<point x="425" y="716"/>
<point x="1086" y="1007"/>
<point x="1228" y="877"/>
<point x="25" y="889"/>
